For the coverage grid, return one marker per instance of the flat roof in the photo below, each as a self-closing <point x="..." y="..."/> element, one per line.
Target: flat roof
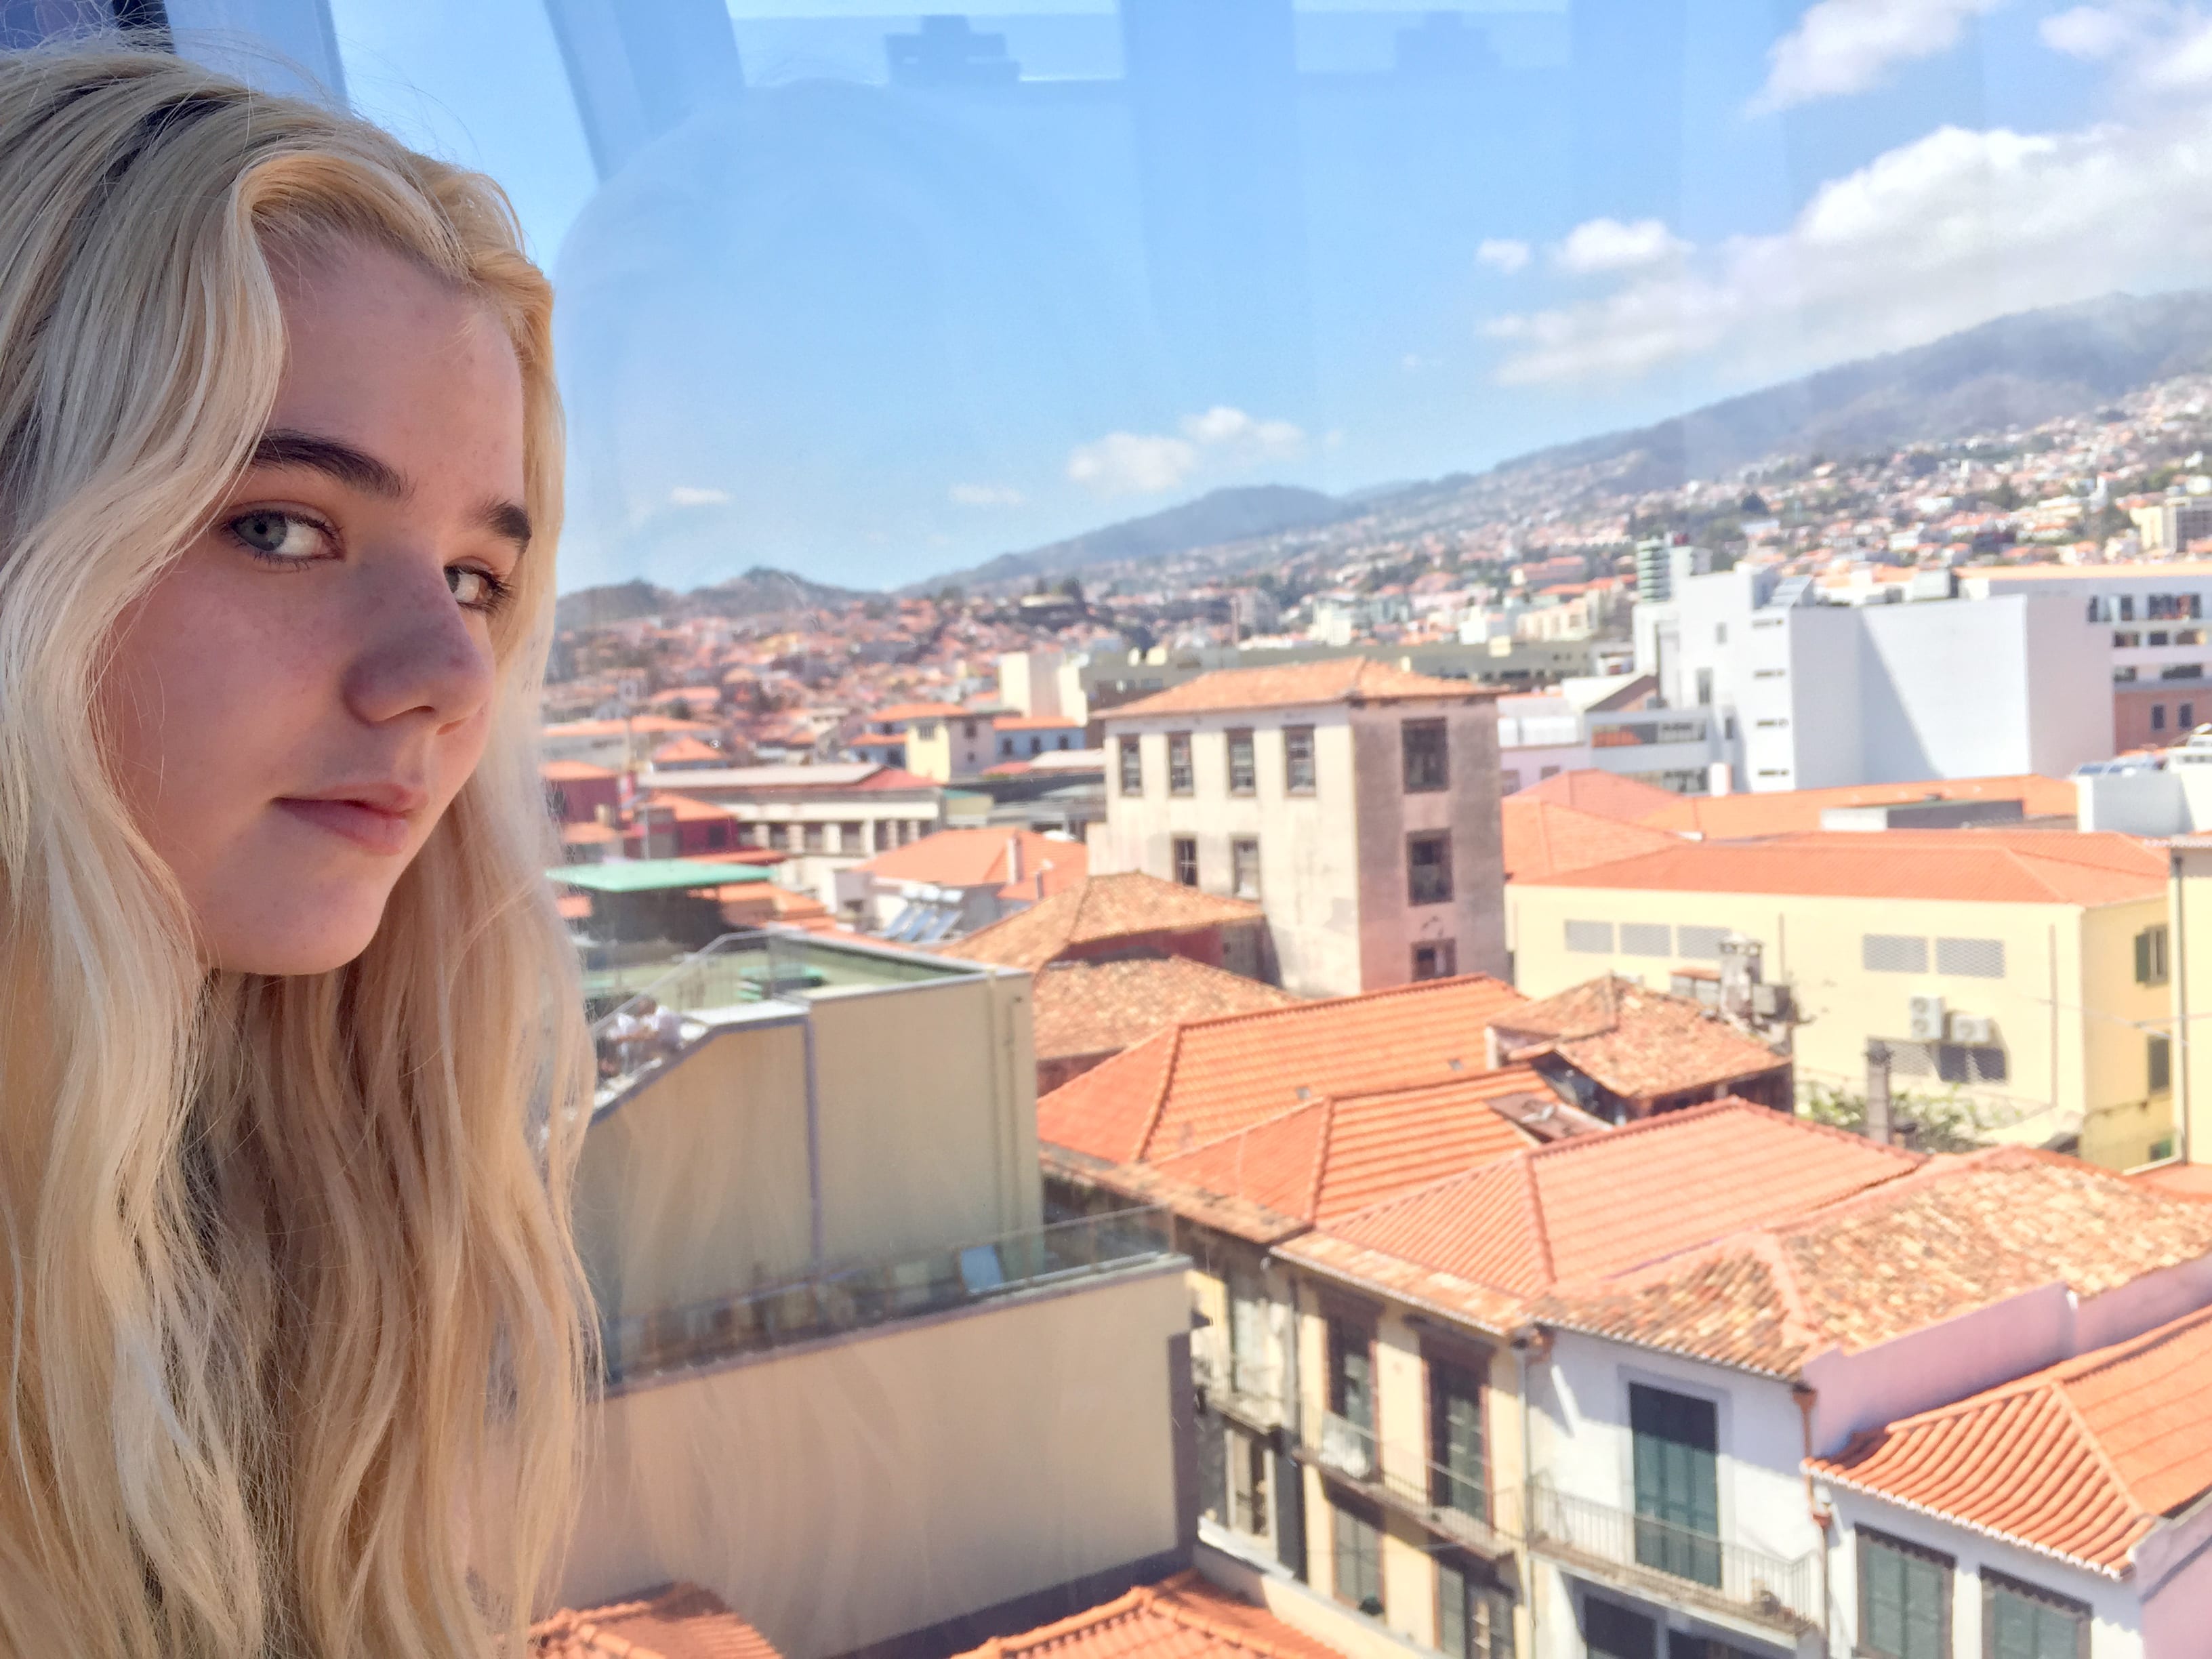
<point x="654" y="875"/>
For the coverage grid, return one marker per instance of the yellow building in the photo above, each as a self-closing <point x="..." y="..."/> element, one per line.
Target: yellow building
<point x="2020" y="975"/>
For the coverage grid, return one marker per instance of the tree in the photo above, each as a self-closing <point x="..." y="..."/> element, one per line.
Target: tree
<point x="1948" y="1123"/>
<point x="1753" y="506"/>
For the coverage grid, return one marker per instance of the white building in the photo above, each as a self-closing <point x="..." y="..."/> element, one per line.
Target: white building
<point x="1810" y="695"/>
<point x="1044" y="682"/>
<point x="1357" y="802"/>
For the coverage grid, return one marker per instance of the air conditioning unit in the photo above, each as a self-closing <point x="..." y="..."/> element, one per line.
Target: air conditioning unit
<point x="1976" y="1028"/>
<point x="1927" y="1019"/>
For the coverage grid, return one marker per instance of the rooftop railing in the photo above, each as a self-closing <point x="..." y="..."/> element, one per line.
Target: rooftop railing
<point x="1676" y="1563"/>
<point x="875" y="1294"/>
<point x="1456" y="1504"/>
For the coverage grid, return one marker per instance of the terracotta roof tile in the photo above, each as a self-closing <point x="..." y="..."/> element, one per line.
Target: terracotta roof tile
<point x="1096" y="1007"/>
<point x="1993" y="867"/>
<point x="914" y="711"/>
<point x="1598" y="1204"/>
<point x="676" y="1622"/>
<point x="978" y="857"/>
<point x="1344" y="679"/>
<point x="688" y="749"/>
<point x="2079" y="1461"/>
<point x="1960" y="1233"/>
<point x="1196" y="1083"/>
<point x="1543" y="837"/>
<point x="1608" y="794"/>
<point x="1183" y="1617"/>
<point x="1637" y="1042"/>
<point x="569" y="771"/>
<point x="1096" y="909"/>
<point x="1729" y="817"/>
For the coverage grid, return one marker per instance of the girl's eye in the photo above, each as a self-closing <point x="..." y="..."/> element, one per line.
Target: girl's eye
<point x="477" y="590"/>
<point x="270" y="534"/>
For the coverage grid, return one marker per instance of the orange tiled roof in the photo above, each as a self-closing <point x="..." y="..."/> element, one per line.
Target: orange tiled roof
<point x="2079" y="1461"/>
<point x="644" y="725"/>
<point x="1995" y="866"/>
<point x="1732" y="818"/>
<point x="1543" y="837"/>
<point x="1194" y="1084"/>
<point x="1637" y="1042"/>
<point x="978" y="857"/>
<point x="1346" y="679"/>
<point x="1960" y="1233"/>
<point x="1101" y="1007"/>
<point x="1183" y="1618"/>
<point x="688" y="749"/>
<point x="677" y="1621"/>
<point x="1596" y="1205"/>
<point x="1606" y="793"/>
<point x="567" y="771"/>
<point x="1099" y="908"/>
<point x="915" y="711"/>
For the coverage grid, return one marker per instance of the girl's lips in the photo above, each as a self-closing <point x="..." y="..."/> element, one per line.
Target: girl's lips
<point x="375" y="828"/>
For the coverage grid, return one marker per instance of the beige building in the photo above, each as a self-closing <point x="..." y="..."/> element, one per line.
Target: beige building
<point x="2019" y="973"/>
<point x="1357" y="802"/>
<point x="842" y="1348"/>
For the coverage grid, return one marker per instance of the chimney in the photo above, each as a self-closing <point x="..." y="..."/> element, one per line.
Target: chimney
<point x="1878" y="1124"/>
<point x="1013" y="860"/>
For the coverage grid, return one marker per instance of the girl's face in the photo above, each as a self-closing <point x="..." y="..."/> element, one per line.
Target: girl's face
<point x="299" y="697"/>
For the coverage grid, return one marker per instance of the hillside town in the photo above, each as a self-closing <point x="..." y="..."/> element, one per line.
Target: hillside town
<point x="1547" y="1070"/>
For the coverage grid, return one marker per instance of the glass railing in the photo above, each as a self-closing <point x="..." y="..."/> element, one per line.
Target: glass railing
<point x="1676" y="1563"/>
<point x="874" y="1293"/>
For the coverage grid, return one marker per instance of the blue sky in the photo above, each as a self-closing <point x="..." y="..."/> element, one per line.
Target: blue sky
<point x="873" y="332"/>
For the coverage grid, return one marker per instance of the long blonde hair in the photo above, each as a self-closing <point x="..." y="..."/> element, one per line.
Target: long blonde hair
<point x="290" y="1321"/>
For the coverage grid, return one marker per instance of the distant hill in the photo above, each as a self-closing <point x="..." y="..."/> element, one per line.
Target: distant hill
<point x="1220" y="515"/>
<point x="760" y="592"/>
<point x="2017" y="371"/>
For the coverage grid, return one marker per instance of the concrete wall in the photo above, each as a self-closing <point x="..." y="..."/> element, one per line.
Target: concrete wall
<point x="846" y="1493"/>
<point x="2188" y="898"/>
<point x="2067" y="1069"/>
<point x="696" y="1187"/>
<point x="2117" y="1630"/>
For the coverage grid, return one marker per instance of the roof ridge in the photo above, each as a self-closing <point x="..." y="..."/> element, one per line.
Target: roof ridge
<point x="1173" y="1034"/>
<point x="1449" y="1080"/>
<point x="1412" y="988"/>
<point x="1539" y="1229"/>
<point x="1321" y="1144"/>
<point x="1135" y="1600"/>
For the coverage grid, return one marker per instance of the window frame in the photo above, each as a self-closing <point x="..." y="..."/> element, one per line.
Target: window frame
<point x="1442" y="840"/>
<point x="1239" y="846"/>
<point x="1680" y="1545"/>
<point x="1444" y="953"/>
<point x="1181" y="850"/>
<point x="1433" y="774"/>
<point x="1946" y="1565"/>
<point x="1131" y="778"/>
<point x="1994" y="1584"/>
<point x="1366" y="1551"/>
<point x="1300" y="776"/>
<point x="1179" y="749"/>
<point x="1242" y="739"/>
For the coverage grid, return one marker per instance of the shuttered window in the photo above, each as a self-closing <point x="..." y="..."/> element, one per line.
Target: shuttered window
<point x="1594" y="938"/>
<point x="1904" y="1599"/>
<point x="1460" y="1479"/>
<point x="1971" y="958"/>
<point x="1699" y="944"/>
<point x="1676" y="1440"/>
<point x="1646" y="939"/>
<point x="1358" y="1542"/>
<point x="2021" y="1621"/>
<point x="1893" y="953"/>
<point x="1351" y="1374"/>
<point x="1474" y="1617"/>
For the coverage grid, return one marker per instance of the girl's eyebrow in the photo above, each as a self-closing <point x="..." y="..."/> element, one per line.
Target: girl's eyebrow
<point x="363" y="472"/>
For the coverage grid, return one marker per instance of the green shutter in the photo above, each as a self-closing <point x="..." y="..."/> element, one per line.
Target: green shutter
<point x="1456" y="1448"/>
<point x="1675" y="1441"/>
<point x="1451" y="1611"/>
<point x="2143" y="957"/>
<point x="1903" y="1598"/>
<point x="2025" y="1626"/>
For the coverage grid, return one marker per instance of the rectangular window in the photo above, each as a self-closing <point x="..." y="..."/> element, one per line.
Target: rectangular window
<point x="1178" y="772"/>
<point x="1298" y="760"/>
<point x="1428" y="868"/>
<point x="1436" y="959"/>
<point x="2160" y="1063"/>
<point x="1590" y="937"/>
<point x="1426" y="768"/>
<point x="1248" y="1484"/>
<point x="2158" y="717"/>
<point x="1133" y="767"/>
<point x="1474" y="1617"/>
<point x="1213" y="1465"/>
<point x="1352" y="1373"/>
<point x="1244" y="866"/>
<point x="1509" y="781"/>
<point x="2185" y="715"/>
<point x="2021" y="1621"/>
<point x="1459" y="1474"/>
<point x="852" y="837"/>
<point x="1699" y="944"/>
<point x="1184" y="849"/>
<point x="1243" y="776"/>
<point x="1612" y="1631"/>
<point x="1971" y="958"/>
<point x="1675" y="1441"/>
<point x="1892" y="953"/>
<point x="814" y="837"/>
<point x="1904" y="1599"/>
<point x="1646" y="939"/>
<point x="2150" y="955"/>
<point x="1358" y="1540"/>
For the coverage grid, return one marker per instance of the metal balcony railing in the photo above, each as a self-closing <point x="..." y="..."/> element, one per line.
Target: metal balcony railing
<point x="879" y="1293"/>
<point x="1455" y="1503"/>
<point x="1675" y="1564"/>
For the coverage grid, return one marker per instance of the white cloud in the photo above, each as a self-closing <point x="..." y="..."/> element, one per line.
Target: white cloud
<point x="1607" y="245"/>
<point x="1844" y="46"/>
<point x="1151" y="464"/>
<point x="978" y="495"/>
<point x="1938" y="234"/>
<point x="2090" y="32"/>
<point x="1502" y="253"/>
<point x="692" y="495"/>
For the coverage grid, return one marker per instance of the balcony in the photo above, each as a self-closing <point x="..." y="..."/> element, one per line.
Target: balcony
<point x="1674" y="1564"/>
<point x="1247" y="1387"/>
<point x="1453" y="1504"/>
<point x="876" y="1293"/>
